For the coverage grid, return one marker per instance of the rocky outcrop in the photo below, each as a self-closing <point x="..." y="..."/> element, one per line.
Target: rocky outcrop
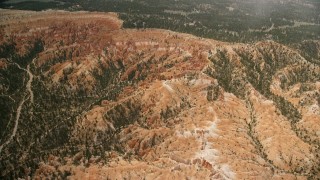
<point x="119" y="103"/>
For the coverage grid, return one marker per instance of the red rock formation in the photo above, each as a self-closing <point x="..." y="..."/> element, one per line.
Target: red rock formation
<point x="179" y="132"/>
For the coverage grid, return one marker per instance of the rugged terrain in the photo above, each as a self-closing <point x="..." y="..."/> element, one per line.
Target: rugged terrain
<point x="285" y="21"/>
<point x="83" y="97"/>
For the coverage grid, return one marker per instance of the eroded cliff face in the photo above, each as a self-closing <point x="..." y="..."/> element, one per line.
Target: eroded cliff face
<point x="106" y="102"/>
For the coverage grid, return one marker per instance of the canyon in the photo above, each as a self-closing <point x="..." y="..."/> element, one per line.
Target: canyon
<point x="95" y="100"/>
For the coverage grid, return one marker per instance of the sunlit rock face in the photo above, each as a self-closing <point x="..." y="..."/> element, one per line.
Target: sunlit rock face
<point x="84" y="98"/>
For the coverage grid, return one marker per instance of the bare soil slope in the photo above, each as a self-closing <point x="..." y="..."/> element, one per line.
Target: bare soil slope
<point x="154" y="104"/>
